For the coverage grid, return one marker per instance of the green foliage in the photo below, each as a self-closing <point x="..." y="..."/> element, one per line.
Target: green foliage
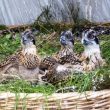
<point x="78" y="47"/>
<point x="105" y="47"/>
<point x="104" y="37"/>
<point x="8" y="46"/>
<point x="2" y="27"/>
<point x="106" y="50"/>
<point x="50" y="27"/>
<point x="21" y="86"/>
<point x="49" y="48"/>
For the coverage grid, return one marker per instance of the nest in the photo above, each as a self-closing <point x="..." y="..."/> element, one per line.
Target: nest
<point x="99" y="100"/>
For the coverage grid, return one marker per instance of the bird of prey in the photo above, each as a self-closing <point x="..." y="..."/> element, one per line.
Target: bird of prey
<point x="25" y="62"/>
<point x="56" y="72"/>
<point x="92" y="52"/>
<point x="66" y="53"/>
<point x="64" y="64"/>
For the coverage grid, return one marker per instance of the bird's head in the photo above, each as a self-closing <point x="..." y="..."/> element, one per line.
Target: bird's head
<point x="27" y="38"/>
<point x="28" y="42"/>
<point x="89" y="37"/>
<point x="67" y="38"/>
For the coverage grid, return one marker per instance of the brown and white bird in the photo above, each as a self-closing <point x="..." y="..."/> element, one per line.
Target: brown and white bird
<point x="27" y="60"/>
<point x="56" y="72"/>
<point x="92" y="52"/>
<point x="66" y="53"/>
<point x="65" y="63"/>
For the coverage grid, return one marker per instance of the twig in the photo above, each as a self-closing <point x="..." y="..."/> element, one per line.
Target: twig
<point x="48" y="38"/>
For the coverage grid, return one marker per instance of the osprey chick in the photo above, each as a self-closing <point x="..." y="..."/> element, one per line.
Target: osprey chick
<point x="27" y="61"/>
<point x="92" y="51"/>
<point x="66" y="53"/>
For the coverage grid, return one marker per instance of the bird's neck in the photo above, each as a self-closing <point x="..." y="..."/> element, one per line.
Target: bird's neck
<point x="29" y="49"/>
<point x="67" y="50"/>
<point x="92" y="49"/>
